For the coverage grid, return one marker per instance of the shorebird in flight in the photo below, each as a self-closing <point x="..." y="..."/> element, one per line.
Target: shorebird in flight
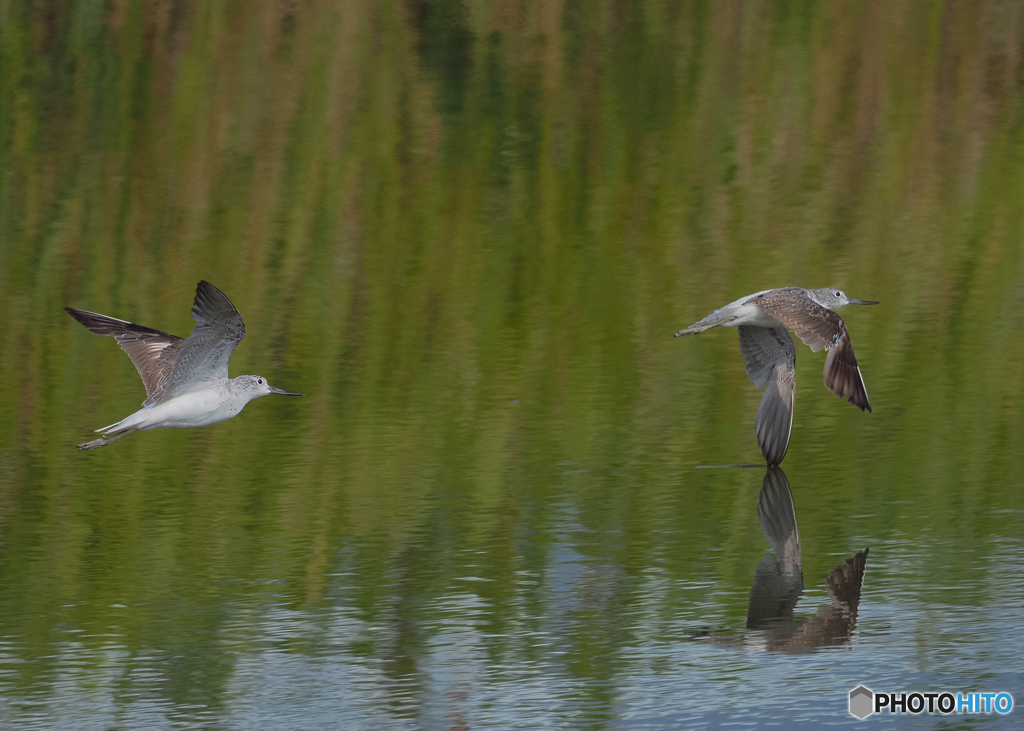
<point x="770" y="353"/>
<point x="186" y="380"/>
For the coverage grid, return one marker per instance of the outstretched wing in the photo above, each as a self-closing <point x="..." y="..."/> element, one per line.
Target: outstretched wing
<point x="843" y="376"/>
<point x="820" y="328"/>
<point x="152" y="352"/>
<point x="770" y="356"/>
<point x="206" y="351"/>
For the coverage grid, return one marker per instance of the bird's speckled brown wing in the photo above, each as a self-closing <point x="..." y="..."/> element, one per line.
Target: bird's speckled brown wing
<point x="152" y="352"/>
<point x="820" y="328"/>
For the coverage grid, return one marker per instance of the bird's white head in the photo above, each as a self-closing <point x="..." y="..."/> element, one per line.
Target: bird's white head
<point x="256" y="386"/>
<point x="833" y="298"/>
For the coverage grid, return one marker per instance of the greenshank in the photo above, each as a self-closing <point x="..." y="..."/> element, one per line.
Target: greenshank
<point x="770" y="354"/>
<point x="186" y="380"/>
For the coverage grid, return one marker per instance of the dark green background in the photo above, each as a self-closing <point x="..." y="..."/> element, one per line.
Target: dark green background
<point x="467" y="231"/>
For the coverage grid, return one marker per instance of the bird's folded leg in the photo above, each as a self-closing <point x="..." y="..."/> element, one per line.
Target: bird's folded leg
<point x="106" y="439"/>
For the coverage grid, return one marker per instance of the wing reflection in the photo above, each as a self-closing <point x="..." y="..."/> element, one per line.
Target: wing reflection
<point x="778" y="582"/>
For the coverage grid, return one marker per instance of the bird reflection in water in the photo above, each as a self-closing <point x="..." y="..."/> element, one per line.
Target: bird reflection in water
<point x="778" y="584"/>
<point x="778" y="581"/>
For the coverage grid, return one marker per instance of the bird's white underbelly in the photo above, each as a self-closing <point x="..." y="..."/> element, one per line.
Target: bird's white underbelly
<point x="753" y="315"/>
<point x="197" y="408"/>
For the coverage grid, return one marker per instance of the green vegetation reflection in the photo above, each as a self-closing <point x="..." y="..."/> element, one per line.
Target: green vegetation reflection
<point x="468" y="232"/>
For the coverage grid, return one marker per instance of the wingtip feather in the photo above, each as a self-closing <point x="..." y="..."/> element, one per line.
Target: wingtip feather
<point x="843" y="377"/>
<point x="210" y="302"/>
<point x="773" y="425"/>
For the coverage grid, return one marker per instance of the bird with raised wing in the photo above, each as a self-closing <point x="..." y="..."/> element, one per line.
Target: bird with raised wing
<point x="770" y="354"/>
<point x="186" y="381"/>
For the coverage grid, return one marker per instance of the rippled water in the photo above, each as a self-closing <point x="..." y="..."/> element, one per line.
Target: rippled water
<point x="467" y="231"/>
<point x="635" y="626"/>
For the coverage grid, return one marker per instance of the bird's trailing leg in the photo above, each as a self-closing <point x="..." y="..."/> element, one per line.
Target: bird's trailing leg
<point x="106" y="439"/>
<point x="713" y="320"/>
<point x="692" y="330"/>
<point x="721" y="316"/>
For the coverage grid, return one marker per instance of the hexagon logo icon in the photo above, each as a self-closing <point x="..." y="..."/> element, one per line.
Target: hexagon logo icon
<point x="861" y="702"/>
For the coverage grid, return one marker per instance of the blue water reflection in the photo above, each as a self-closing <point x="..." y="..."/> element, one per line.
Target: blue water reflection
<point x="587" y="642"/>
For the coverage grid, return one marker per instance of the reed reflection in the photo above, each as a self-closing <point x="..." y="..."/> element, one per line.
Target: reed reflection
<point x="778" y="581"/>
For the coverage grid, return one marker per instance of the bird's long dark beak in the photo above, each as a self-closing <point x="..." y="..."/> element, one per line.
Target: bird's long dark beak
<point x="861" y="302"/>
<point x="285" y="393"/>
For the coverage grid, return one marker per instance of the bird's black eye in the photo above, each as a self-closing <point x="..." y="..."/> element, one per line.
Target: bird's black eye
<point x="838" y="293"/>
<point x="259" y="381"/>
